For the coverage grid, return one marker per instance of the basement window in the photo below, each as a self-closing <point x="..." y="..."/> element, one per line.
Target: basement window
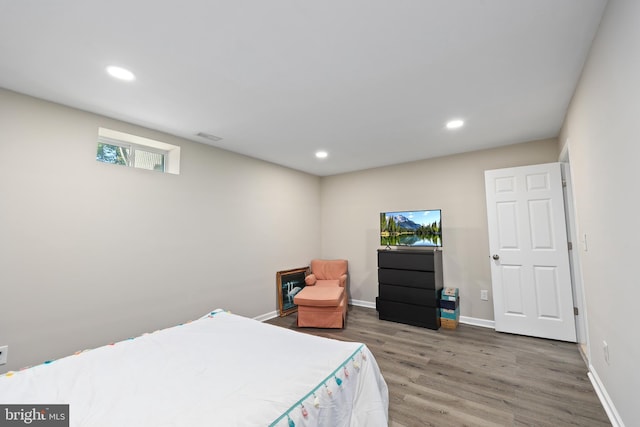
<point x="124" y="149"/>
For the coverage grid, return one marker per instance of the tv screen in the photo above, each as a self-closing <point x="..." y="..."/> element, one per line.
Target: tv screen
<point x="411" y="228"/>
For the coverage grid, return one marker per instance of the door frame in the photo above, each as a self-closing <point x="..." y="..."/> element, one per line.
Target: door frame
<point x="575" y="266"/>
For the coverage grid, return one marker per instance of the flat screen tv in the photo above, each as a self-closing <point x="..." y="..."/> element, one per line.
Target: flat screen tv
<point x="411" y="228"/>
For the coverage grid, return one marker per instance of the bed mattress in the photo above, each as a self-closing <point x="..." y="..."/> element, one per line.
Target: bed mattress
<point x="219" y="370"/>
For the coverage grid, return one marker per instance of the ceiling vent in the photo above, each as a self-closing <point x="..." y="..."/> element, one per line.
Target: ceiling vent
<point x="209" y="136"/>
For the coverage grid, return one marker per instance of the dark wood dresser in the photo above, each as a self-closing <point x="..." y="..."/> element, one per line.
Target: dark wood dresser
<point x="409" y="285"/>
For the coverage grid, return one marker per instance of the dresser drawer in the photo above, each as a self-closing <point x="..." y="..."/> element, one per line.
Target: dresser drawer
<point x="406" y="260"/>
<point x="410" y="278"/>
<point x="416" y="296"/>
<point x="416" y="315"/>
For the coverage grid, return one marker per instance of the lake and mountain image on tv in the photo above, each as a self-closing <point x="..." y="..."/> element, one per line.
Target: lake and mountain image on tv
<point x="411" y="228"/>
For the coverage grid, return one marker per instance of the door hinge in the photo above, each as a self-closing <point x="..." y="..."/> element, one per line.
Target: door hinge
<point x="570" y="246"/>
<point x="575" y="311"/>
<point x="564" y="182"/>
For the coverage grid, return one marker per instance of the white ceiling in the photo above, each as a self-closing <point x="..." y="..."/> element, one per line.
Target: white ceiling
<point x="370" y="81"/>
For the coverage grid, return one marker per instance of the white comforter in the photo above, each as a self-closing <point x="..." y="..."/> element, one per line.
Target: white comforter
<point x="220" y="370"/>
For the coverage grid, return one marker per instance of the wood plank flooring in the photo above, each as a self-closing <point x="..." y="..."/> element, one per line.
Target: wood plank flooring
<point x="472" y="376"/>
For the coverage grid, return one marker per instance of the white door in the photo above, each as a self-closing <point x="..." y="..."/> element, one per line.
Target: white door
<point x="529" y="252"/>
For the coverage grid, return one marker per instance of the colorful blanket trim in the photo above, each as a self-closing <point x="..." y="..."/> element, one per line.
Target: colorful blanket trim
<point x="355" y="359"/>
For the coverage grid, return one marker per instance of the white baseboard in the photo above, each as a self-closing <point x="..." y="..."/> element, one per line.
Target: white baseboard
<point x="484" y="323"/>
<point x="266" y="316"/>
<point x="463" y="319"/>
<point x="274" y="314"/>
<point x="368" y="304"/>
<point x="606" y="401"/>
<point x="360" y="303"/>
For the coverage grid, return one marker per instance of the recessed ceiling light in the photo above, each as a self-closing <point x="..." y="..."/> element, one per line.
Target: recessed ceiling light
<point x="321" y="154"/>
<point x="455" y="124"/>
<point x="120" y="73"/>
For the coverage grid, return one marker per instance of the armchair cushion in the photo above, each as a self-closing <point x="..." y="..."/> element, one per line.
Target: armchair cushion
<point x="319" y="296"/>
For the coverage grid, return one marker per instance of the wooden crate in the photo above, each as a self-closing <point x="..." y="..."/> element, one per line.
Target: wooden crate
<point x="448" y="323"/>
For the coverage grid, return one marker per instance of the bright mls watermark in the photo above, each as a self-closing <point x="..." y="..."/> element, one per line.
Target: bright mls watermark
<point x="34" y="415"/>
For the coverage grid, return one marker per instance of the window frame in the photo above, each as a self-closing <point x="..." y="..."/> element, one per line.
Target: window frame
<point x="131" y="161"/>
<point x="170" y="153"/>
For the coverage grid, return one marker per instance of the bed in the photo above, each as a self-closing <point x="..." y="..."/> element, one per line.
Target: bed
<point x="220" y="370"/>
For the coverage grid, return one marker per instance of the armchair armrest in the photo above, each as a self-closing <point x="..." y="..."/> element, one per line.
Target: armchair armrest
<point x="343" y="280"/>
<point x="310" y="280"/>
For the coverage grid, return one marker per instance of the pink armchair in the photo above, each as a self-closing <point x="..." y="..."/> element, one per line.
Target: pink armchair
<point x="323" y="301"/>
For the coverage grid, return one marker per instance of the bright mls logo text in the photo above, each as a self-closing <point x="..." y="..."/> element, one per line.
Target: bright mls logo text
<point x="39" y="415"/>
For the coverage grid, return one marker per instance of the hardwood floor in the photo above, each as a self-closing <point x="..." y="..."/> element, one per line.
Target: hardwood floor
<point x="472" y="376"/>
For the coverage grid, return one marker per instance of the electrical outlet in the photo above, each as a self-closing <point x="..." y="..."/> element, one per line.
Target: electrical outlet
<point x="605" y="349"/>
<point x="484" y="295"/>
<point x="3" y="354"/>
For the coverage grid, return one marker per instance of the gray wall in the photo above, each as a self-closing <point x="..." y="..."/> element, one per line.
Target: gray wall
<point x="351" y="204"/>
<point x="92" y="253"/>
<point x="602" y="132"/>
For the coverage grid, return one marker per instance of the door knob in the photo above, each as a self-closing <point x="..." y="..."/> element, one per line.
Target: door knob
<point x="496" y="257"/>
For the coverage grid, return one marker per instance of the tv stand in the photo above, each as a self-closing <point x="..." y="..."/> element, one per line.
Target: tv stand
<point x="409" y="285"/>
